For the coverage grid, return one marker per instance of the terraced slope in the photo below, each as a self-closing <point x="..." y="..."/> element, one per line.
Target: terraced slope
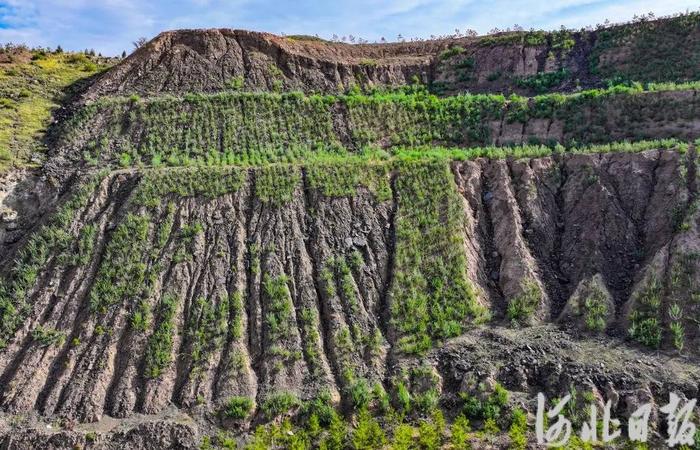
<point x="353" y="269"/>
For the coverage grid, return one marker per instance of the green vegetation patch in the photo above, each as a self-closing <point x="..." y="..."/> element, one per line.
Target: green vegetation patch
<point x="52" y="240"/>
<point x="237" y="408"/>
<point x="207" y="330"/>
<point x="277" y="183"/>
<point x="122" y="275"/>
<point x="645" y="319"/>
<point x="136" y="134"/>
<point x="341" y="179"/>
<point x="160" y="345"/>
<point x="544" y="81"/>
<point x="203" y="129"/>
<point x="29" y="91"/>
<point x="523" y="306"/>
<point x="431" y="298"/>
<point x="663" y="50"/>
<point x="279" y="403"/>
<point x="187" y="182"/>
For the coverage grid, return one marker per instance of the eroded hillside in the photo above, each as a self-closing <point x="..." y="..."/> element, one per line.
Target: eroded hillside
<point x="528" y="62"/>
<point x="353" y="269"/>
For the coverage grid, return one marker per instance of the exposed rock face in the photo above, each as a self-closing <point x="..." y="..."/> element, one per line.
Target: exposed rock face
<point x="184" y="61"/>
<point x="217" y="59"/>
<point x="287" y="293"/>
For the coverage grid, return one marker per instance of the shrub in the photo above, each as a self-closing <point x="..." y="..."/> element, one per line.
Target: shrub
<point x="543" y="81"/>
<point x="47" y="337"/>
<point x="646" y="331"/>
<point x="490" y="408"/>
<point x="322" y="408"/>
<point x="451" y="52"/>
<point x="645" y="326"/>
<point x="159" y="349"/>
<point x="368" y="435"/>
<point x="595" y="310"/>
<point x="278" y="404"/>
<point x="518" y="430"/>
<point x="523" y="306"/>
<point x="460" y="433"/>
<point x="237" y="407"/>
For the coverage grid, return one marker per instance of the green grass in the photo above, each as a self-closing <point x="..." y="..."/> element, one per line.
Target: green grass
<point x="52" y="243"/>
<point x="237" y="408"/>
<point x="431" y="298"/>
<point x="342" y="178"/>
<point x="29" y="92"/>
<point x="523" y="306"/>
<point x="187" y="182"/>
<point x="276" y="184"/>
<point x="160" y="344"/>
<point x="207" y="330"/>
<point x="122" y="277"/>
<point x="211" y="130"/>
<point x="279" y="403"/>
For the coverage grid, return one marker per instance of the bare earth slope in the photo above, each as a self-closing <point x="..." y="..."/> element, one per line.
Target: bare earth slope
<point x="249" y="283"/>
<point x="184" y="61"/>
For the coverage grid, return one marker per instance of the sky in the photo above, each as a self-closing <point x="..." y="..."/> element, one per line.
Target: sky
<point x="110" y="26"/>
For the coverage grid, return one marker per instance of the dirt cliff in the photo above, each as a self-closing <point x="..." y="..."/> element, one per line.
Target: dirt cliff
<point x="213" y="60"/>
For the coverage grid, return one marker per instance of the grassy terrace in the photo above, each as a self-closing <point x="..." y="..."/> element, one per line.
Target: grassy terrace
<point x="258" y="128"/>
<point x="32" y="84"/>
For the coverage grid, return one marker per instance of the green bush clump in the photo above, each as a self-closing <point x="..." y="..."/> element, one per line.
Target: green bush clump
<point x="160" y="344"/>
<point x="518" y="430"/>
<point x="523" y="306"/>
<point x="47" y="337"/>
<point x="368" y="435"/>
<point x="452" y="52"/>
<point x="492" y="407"/>
<point x="645" y="324"/>
<point x="237" y="408"/>
<point x="595" y="310"/>
<point x="543" y="81"/>
<point x="278" y="404"/>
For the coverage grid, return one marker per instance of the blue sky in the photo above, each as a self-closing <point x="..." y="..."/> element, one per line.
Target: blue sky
<point x="109" y="26"/>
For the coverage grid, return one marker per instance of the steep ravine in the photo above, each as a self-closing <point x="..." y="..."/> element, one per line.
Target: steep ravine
<point x="188" y="286"/>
